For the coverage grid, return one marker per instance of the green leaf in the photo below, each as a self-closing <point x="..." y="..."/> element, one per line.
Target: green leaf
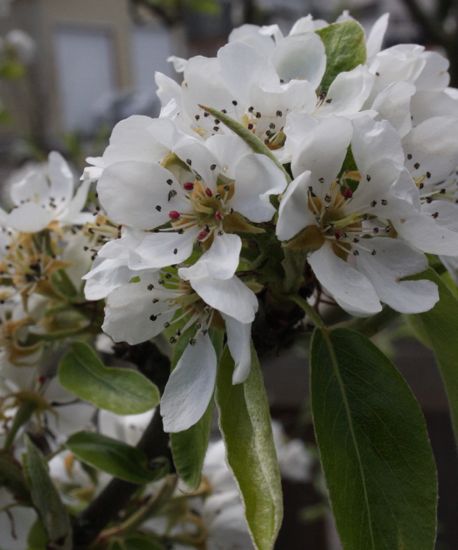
<point x="46" y="499"/>
<point x="439" y="328"/>
<point x="373" y="444"/>
<point x="12" y="478"/>
<point x="122" y="391"/>
<point x="114" y="457"/>
<point x="189" y="448"/>
<point x="345" y="45"/>
<point x="248" y="137"/>
<point x="246" y="428"/>
<point x="37" y="539"/>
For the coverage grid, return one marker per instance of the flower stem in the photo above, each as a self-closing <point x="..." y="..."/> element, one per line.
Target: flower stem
<point x="309" y="310"/>
<point x="106" y="507"/>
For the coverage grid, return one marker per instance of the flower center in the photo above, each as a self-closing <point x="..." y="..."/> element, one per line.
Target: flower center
<point x="348" y="232"/>
<point x="208" y="207"/>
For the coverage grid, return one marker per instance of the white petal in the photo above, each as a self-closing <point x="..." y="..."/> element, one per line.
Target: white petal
<point x="307" y="24"/>
<point x="425" y="105"/>
<point x="434" y="75"/>
<point x="33" y="187"/>
<point x="424" y="233"/>
<point x="169" y="92"/>
<point x="433" y="146"/>
<point x="105" y="276"/>
<point x="374" y="141"/>
<point x="204" y="86"/>
<point x="348" y="92"/>
<point x="376" y="186"/>
<point x="136" y="194"/>
<point x="376" y="35"/>
<point x="350" y="288"/>
<point x="229" y="296"/>
<point x="162" y="249"/>
<point x="242" y="66"/>
<point x="129" y="310"/>
<point x="179" y="63"/>
<point x="227" y="150"/>
<point x="445" y="213"/>
<point x="257" y="178"/>
<point x="294" y="213"/>
<point x="199" y="158"/>
<point x="219" y="261"/>
<point x="239" y="344"/>
<point x="61" y="178"/>
<point x="401" y="62"/>
<point x="252" y="35"/>
<point x="29" y="217"/>
<point x="134" y="139"/>
<point x="73" y="214"/>
<point x="393" y="104"/>
<point x="322" y="150"/>
<point x="190" y="386"/>
<point x="392" y="261"/>
<point x="300" y="57"/>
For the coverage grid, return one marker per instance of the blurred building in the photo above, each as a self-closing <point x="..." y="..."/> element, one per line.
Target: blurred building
<point x="93" y="62"/>
<point x="95" y="59"/>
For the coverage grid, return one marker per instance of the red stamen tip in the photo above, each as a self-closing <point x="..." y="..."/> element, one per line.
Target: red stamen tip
<point x="347" y="192"/>
<point x="202" y="235"/>
<point x="174" y="215"/>
<point x="218" y="216"/>
<point x="189" y="186"/>
<point x="208" y="192"/>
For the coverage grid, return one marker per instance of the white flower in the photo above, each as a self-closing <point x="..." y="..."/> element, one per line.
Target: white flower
<point x="128" y="428"/>
<point x="344" y="218"/>
<point x="140" y="310"/>
<point x="256" y="79"/>
<point x="46" y="195"/>
<point x="197" y="195"/>
<point x="22" y="45"/>
<point x="294" y="459"/>
<point x="110" y="269"/>
<point x="431" y="159"/>
<point x="222" y="511"/>
<point x="409" y="85"/>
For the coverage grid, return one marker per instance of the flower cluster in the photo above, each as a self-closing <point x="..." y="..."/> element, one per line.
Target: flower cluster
<point x="287" y="174"/>
<point x="260" y="155"/>
<point x="45" y="250"/>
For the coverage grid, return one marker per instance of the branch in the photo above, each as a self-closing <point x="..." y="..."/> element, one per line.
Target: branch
<point x="154" y="442"/>
<point x="117" y="494"/>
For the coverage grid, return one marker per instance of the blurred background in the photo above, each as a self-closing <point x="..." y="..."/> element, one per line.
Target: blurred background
<point x="69" y="70"/>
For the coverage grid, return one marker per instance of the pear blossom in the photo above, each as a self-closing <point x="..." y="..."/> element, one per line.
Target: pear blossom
<point x="256" y="79"/>
<point x="44" y="196"/>
<point x="200" y="193"/>
<point x="186" y="299"/>
<point x="21" y="45"/>
<point x="261" y="78"/>
<point x="410" y="85"/>
<point x="344" y="217"/>
<point x="429" y="187"/>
